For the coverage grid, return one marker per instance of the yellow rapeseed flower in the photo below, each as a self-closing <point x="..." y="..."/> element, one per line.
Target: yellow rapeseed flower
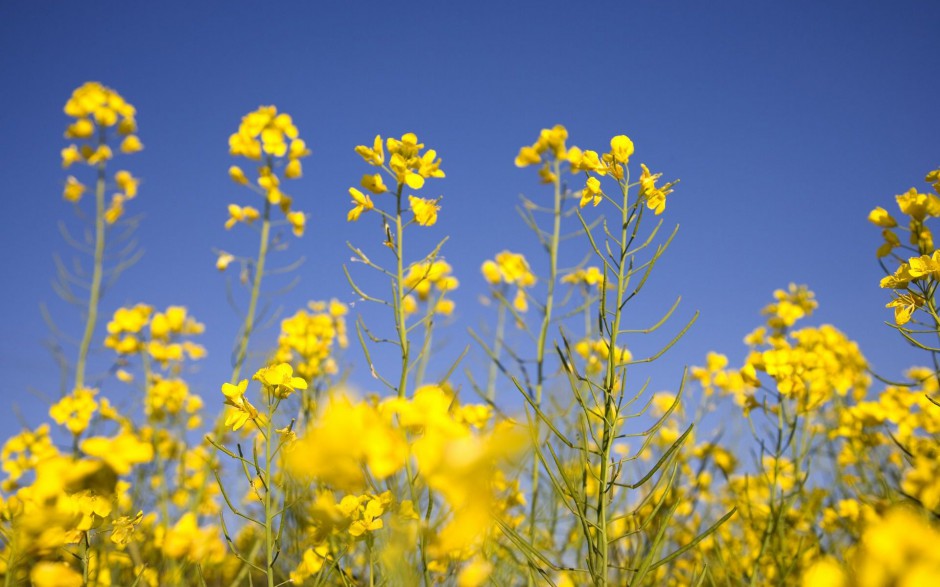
<point x="74" y="189"/>
<point x="280" y="379"/>
<point x="425" y="211"/>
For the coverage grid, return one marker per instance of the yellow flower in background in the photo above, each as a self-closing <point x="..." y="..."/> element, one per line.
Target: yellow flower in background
<point x="550" y="141"/>
<point x="511" y="268"/>
<point x="70" y="155"/>
<point x="294" y="169"/>
<point x="421" y="277"/>
<point x="74" y="189"/>
<point x="131" y="144"/>
<point x="309" y="338"/>
<point x="93" y="100"/>
<point x="265" y="131"/>
<point x="425" y="211"/>
<point x="590" y="276"/>
<point x="223" y="261"/>
<point x="362" y="203"/>
<point x="528" y="156"/>
<point x="880" y="217"/>
<point x="115" y="209"/>
<point x="80" y="129"/>
<point x="237" y="175"/>
<point x="298" y="221"/>
<point x="127" y="182"/>
<point x="236" y="214"/>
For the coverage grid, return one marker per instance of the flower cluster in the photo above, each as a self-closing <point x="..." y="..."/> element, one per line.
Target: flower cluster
<point x="510" y="269"/>
<point x="408" y="167"/>
<point x="128" y="334"/>
<point x="99" y="110"/>
<point x="427" y="278"/>
<point x="272" y="139"/>
<point x="915" y="277"/>
<point x="550" y="151"/>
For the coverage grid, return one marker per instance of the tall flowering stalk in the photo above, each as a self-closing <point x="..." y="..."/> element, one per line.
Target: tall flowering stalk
<point x="271" y="140"/>
<point x="102" y="117"/>
<point x="549" y="151"/>
<point x="423" y="282"/>
<point x="409" y="168"/>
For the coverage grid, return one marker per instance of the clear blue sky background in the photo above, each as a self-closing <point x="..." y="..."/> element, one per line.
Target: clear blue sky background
<point x="786" y="122"/>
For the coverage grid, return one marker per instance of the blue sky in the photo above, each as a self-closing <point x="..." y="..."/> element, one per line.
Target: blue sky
<point x="786" y="122"/>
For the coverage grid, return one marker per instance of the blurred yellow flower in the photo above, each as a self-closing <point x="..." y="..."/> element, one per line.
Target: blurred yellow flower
<point x="74" y="189"/>
<point x="425" y="211"/>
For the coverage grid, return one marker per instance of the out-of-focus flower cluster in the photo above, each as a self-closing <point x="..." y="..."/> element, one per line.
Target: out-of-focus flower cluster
<point x="99" y="113"/>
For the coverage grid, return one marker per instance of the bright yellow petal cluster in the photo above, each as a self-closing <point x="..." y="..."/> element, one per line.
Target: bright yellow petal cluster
<point x="75" y="410"/>
<point x="272" y="138"/>
<point x="655" y="196"/>
<point x="511" y="268"/>
<point x="280" y="380"/>
<point x="308" y="339"/>
<point x="236" y="214"/>
<point x="425" y="211"/>
<point x="596" y="353"/>
<point x="590" y="276"/>
<point x="422" y="279"/>
<point x="243" y="409"/>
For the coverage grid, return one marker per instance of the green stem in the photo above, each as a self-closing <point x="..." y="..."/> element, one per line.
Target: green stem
<point x="400" y="295"/>
<point x="542" y="343"/>
<point x="249" y="325"/>
<point x="600" y="547"/>
<point x="425" y="347"/>
<point x="497" y="348"/>
<point x="268" y="489"/>
<point x="94" y="296"/>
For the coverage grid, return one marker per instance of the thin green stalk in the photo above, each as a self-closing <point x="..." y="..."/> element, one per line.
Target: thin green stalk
<point x="94" y="296"/>
<point x="400" y="294"/>
<point x="425" y="347"/>
<point x="86" y="558"/>
<point x="600" y="548"/>
<point x="497" y="348"/>
<point x="268" y="489"/>
<point x="249" y="325"/>
<point x="542" y="341"/>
